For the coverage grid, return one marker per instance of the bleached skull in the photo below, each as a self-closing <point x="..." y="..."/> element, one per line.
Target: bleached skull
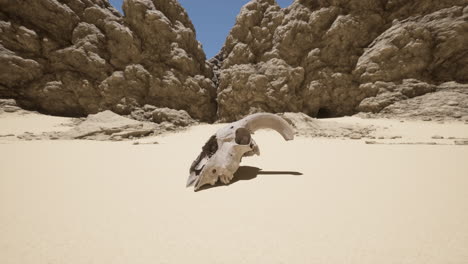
<point x="223" y="152"/>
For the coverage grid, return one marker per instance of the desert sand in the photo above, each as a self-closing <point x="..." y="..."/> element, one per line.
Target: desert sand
<point x="310" y="200"/>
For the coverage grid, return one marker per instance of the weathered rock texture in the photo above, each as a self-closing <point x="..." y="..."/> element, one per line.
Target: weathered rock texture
<point x="9" y="106"/>
<point x="320" y="57"/>
<point x="76" y="57"/>
<point x="105" y="125"/>
<point x="151" y="113"/>
<point x="450" y="101"/>
<point x="323" y="57"/>
<point x="305" y="125"/>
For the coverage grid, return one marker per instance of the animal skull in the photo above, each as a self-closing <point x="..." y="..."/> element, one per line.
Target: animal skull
<point x="223" y="152"/>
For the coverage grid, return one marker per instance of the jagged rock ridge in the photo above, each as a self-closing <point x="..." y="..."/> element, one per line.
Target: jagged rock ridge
<point x="320" y="57"/>
<point x="323" y="57"/>
<point x="77" y="57"/>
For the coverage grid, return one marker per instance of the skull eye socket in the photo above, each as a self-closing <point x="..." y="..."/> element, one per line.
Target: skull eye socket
<point x="242" y="136"/>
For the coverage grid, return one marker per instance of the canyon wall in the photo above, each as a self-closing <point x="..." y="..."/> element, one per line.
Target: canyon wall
<point x="77" y="57"/>
<point x="339" y="57"/>
<point x="321" y="57"/>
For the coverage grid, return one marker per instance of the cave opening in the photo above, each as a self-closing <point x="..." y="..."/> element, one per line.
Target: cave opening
<point x="324" y="113"/>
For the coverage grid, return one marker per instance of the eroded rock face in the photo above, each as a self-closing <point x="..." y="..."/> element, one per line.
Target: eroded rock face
<point x="270" y="86"/>
<point x="320" y="57"/>
<point x="339" y="57"/>
<point x="78" y="57"/>
<point x="305" y="125"/>
<point x="388" y="93"/>
<point x="162" y="115"/>
<point x="448" y="102"/>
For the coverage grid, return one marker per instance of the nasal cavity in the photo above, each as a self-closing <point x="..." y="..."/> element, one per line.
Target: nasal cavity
<point x="242" y="136"/>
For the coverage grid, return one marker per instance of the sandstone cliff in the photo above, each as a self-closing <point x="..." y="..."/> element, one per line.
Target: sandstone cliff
<point x="320" y="57"/>
<point x="324" y="57"/>
<point x="76" y="57"/>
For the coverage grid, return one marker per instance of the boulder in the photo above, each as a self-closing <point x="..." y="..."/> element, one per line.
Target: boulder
<point x="176" y="117"/>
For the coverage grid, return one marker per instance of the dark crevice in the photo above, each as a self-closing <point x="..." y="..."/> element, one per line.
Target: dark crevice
<point x="324" y="113"/>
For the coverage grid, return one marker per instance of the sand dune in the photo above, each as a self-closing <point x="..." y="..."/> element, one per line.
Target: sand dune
<point x="310" y="200"/>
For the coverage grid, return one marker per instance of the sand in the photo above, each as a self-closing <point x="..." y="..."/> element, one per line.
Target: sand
<point x="313" y="201"/>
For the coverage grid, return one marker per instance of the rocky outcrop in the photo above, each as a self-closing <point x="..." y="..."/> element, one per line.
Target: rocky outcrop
<point x="388" y="93"/>
<point x="108" y="125"/>
<point x="305" y="125"/>
<point x="105" y="126"/>
<point x="149" y="113"/>
<point x="332" y="58"/>
<point x="78" y="57"/>
<point x="450" y="101"/>
<point x="9" y="106"/>
<point x="320" y="57"/>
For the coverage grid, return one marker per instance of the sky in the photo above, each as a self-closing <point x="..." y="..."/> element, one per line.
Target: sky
<point x="213" y="19"/>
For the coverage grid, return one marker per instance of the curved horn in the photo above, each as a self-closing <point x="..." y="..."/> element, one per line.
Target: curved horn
<point x="266" y="120"/>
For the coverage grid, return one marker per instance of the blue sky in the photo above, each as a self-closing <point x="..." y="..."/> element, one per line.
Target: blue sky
<point x="212" y="19"/>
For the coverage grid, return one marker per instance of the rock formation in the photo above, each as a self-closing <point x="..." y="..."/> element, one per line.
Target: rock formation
<point x="320" y="57"/>
<point x="79" y="57"/>
<point x="154" y="114"/>
<point x="324" y="57"/>
<point x="449" y="101"/>
<point x="9" y="106"/>
<point x="305" y="125"/>
<point x="104" y="126"/>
